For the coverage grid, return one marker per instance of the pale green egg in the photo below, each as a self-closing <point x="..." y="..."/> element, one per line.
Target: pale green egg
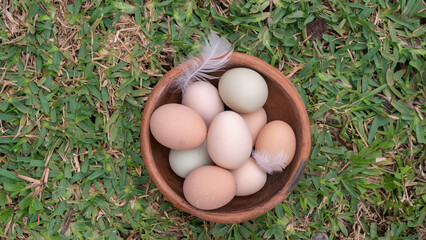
<point x="243" y="90"/>
<point x="183" y="162"/>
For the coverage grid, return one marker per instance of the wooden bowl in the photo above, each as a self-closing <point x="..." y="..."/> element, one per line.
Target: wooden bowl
<point x="284" y="103"/>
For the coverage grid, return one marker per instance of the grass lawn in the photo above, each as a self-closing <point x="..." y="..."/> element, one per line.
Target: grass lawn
<point x="75" y="75"/>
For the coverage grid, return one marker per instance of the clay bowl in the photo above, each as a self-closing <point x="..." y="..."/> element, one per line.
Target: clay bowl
<point x="284" y="103"/>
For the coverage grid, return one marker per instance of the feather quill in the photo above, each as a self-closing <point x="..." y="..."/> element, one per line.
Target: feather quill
<point x="215" y="53"/>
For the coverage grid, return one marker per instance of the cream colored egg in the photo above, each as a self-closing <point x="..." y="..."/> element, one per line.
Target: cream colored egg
<point x="203" y="98"/>
<point x="250" y="178"/>
<point x="255" y="122"/>
<point x="229" y="140"/>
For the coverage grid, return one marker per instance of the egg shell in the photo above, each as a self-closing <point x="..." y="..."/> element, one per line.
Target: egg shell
<point x="250" y="178"/>
<point x="209" y="187"/>
<point x="203" y="98"/>
<point x="275" y="146"/>
<point x="178" y="127"/>
<point x="243" y="90"/>
<point x="229" y="140"/>
<point x="183" y="162"/>
<point x="255" y="122"/>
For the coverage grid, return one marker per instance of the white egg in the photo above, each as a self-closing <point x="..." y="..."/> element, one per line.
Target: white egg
<point x="229" y="140"/>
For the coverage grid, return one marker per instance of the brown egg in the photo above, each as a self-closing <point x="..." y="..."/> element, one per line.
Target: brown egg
<point x="209" y="187"/>
<point x="275" y="146"/>
<point x="250" y="178"/>
<point x="178" y="127"/>
<point x="255" y="122"/>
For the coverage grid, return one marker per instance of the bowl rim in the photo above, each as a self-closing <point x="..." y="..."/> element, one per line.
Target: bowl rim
<point x="235" y="216"/>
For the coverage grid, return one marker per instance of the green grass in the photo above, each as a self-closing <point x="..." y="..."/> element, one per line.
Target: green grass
<point x="74" y="79"/>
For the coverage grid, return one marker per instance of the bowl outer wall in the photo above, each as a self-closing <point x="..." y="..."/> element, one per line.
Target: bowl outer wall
<point x="243" y="214"/>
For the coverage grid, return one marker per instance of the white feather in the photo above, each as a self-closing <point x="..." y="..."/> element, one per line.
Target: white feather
<point x="215" y="53"/>
<point x="271" y="163"/>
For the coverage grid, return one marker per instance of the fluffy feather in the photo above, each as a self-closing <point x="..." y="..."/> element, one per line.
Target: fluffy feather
<point x="215" y="54"/>
<point x="271" y="163"/>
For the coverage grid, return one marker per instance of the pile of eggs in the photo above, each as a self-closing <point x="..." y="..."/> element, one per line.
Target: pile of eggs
<point x="212" y="148"/>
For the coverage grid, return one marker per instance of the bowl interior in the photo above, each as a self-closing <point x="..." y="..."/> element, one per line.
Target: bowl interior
<point x="279" y="106"/>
